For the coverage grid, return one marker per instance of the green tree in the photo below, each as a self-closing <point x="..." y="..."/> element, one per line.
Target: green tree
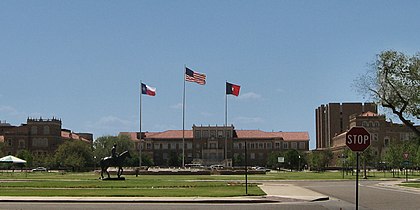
<point x="393" y="156"/>
<point x="175" y="159"/>
<point x="239" y="160"/>
<point x="315" y="161"/>
<point x="394" y="82"/>
<point x="272" y="161"/>
<point x="26" y="155"/>
<point x="74" y="154"/>
<point x="1" y="149"/>
<point x="102" y="148"/>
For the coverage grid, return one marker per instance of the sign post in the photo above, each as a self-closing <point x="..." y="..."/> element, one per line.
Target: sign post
<point x="406" y="156"/>
<point x="357" y="139"/>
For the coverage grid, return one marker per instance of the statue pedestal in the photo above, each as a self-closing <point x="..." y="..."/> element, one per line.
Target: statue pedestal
<point x="114" y="179"/>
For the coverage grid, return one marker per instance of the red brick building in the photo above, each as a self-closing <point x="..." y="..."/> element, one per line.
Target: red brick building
<point x="210" y="145"/>
<point x="38" y="136"/>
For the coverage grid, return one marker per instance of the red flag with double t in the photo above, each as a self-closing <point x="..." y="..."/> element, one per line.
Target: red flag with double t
<point x="147" y="90"/>
<point x="232" y="89"/>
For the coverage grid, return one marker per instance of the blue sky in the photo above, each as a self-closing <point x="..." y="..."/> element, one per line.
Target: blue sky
<point x="82" y="61"/>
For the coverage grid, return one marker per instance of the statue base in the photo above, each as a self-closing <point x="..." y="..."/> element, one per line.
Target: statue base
<point x="114" y="179"/>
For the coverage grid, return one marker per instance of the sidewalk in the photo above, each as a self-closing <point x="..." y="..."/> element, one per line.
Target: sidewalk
<point x="275" y="193"/>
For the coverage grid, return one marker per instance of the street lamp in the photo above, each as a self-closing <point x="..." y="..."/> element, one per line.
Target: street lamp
<point x="299" y="164"/>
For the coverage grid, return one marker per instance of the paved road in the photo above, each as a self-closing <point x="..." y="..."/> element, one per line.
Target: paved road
<point x="372" y="195"/>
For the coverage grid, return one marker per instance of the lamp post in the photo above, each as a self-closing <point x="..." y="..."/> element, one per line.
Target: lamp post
<point x="299" y="164"/>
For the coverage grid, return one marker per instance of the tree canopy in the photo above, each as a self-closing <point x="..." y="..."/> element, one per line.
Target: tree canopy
<point x="75" y="154"/>
<point x="394" y="82"/>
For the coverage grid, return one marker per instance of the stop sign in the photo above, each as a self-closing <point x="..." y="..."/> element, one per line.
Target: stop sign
<point x="358" y="139"/>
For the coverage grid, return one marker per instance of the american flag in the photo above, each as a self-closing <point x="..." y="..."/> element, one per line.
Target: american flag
<point x="192" y="76"/>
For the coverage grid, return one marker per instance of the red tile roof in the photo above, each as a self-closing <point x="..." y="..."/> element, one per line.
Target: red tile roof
<point x="171" y="134"/>
<point x="369" y="114"/>
<point x="241" y="134"/>
<point x="73" y="136"/>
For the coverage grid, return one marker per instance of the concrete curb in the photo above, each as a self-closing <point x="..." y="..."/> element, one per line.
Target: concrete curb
<point x="143" y="199"/>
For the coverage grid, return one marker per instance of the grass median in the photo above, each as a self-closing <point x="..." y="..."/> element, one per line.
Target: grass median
<point x="89" y="184"/>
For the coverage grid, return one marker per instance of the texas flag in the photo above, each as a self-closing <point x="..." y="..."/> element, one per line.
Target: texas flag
<point x="232" y="89"/>
<point x="145" y="89"/>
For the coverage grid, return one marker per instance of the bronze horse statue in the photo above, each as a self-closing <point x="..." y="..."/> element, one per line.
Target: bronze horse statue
<point x="118" y="161"/>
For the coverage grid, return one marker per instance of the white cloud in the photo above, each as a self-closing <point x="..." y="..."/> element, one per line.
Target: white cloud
<point x="8" y="111"/>
<point x="249" y="95"/>
<point x="110" y="125"/>
<point x="177" y="106"/>
<point x="249" y="120"/>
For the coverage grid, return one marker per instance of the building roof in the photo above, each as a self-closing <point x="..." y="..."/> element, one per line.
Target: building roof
<point x="369" y="114"/>
<point x="69" y="135"/>
<point x="240" y="134"/>
<point x="170" y="134"/>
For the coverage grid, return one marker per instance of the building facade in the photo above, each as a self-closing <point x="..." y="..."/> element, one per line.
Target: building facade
<point x="333" y="119"/>
<point x="209" y="145"/>
<point x="41" y="137"/>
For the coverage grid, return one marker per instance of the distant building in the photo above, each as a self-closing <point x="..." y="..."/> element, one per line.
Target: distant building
<point x="39" y="136"/>
<point x="334" y="120"/>
<point x="206" y="144"/>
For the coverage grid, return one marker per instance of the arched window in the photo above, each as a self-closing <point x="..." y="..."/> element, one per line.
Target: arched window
<point x="46" y="130"/>
<point x="34" y="130"/>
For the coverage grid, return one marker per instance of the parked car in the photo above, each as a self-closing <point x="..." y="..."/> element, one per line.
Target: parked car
<point x="43" y="169"/>
<point x="262" y="169"/>
<point x="216" y="167"/>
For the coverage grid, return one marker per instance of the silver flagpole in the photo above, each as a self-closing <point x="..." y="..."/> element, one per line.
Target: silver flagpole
<point x="183" y="120"/>
<point x="141" y="93"/>
<point x="226" y="115"/>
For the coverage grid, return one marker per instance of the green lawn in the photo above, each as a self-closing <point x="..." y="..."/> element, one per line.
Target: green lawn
<point x="89" y="184"/>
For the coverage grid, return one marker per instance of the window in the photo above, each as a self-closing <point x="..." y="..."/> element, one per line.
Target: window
<point x="197" y="134"/>
<point x="46" y="130"/>
<point x="148" y="146"/>
<point x="220" y="134"/>
<point x="269" y="145"/>
<point x="277" y="145"/>
<point x="294" y="145"/>
<point x="212" y="134"/>
<point x="34" y="130"/>
<point x="285" y="145"/>
<point x="252" y="156"/>
<point x="375" y="137"/>
<point x="301" y="145"/>
<point x="21" y="143"/>
<point x="205" y="134"/>
<point x="9" y="142"/>
<point x="386" y="141"/>
<point x="260" y="145"/>
<point x="228" y="134"/>
<point x="156" y="146"/>
<point x="189" y="145"/>
<point x="364" y="124"/>
<point x="240" y="145"/>
<point x="377" y="124"/>
<point x="41" y="142"/>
